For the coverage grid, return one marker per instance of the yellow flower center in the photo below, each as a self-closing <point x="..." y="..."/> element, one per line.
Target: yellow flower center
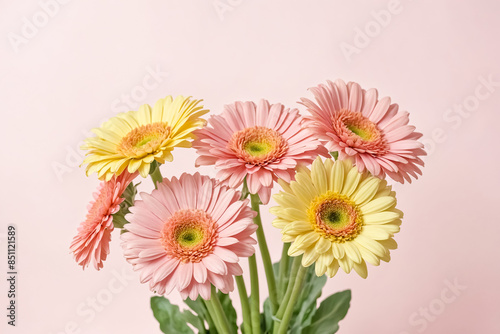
<point x="189" y="235"/>
<point x="258" y="145"/>
<point x="335" y="217"/>
<point x="144" y="140"/>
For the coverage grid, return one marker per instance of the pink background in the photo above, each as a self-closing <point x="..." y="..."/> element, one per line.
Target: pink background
<point x="75" y="69"/>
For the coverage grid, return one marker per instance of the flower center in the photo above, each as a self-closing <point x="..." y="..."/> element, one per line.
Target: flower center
<point x="258" y="145"/>
<point x="256" y="149"/>
<point x="189" y="235"/>
<point x="335" y="216"/>
<point x="144" y="139"/>
<point x="361" y="126"/>
<point x="359" y="131"/>
<point x="364" y="134"/>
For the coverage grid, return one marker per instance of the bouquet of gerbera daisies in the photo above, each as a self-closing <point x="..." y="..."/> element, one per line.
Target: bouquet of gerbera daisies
<point x="334" y="208"/>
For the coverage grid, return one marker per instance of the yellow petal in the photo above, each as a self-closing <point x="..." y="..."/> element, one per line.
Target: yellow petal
<point x="309" y="257"/>
<point x="296" y="249"/>
<point x="380" y="217"/>
<point x="320" y="267"/>
<point x="352" y="252"/>
<point x="370" y="244"/>
<point x="332" y="268"/>
<point x="307" y="239"/>
<point x="338" y="250"/>
<point x="134" y="165"/>
<point x="368" y="256"/>
<point x="366" y="190"/>
<point x="280" y="223"/>
<point x="287" y="200"/>
<point x="375" y="233"/>
<point x="327" y="258"/>
<point x="287" y="238"/>
<point x="337" y="177"/>
<point x="378" y="204"/>
<point x="323" y="245"/>
<point x="346" y="264"/>
<point x="318" y="175"/>
<point x="361" y="269"/>
<point x="144" y="169"/>
<point x="351" y="181"/>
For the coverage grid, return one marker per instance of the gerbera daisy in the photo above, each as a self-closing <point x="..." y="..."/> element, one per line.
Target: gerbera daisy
<point x="336" y="216"/>
<point x="357" y="124"/>
<point x="189" y="234"/>
<point x="261" y="142"/>
<point x="91" y="244"/>
<point x="133" y="140"/>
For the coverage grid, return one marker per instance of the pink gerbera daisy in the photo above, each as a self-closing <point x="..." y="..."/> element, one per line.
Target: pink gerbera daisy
<point x="91" y="244"/>
<point x="188" y="235"/>
<point x="261" y="142"/>
<point x="357" y="124"/>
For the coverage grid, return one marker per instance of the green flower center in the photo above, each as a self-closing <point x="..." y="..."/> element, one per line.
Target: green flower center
<point x="335" y="216"/>
<point x="258" y="145"/>
<point x="364" y="134"/>
<point x="256" y="149"/>
<point x="189" y="236"/>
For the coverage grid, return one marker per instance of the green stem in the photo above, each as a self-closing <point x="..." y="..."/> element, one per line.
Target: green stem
<point x="244" y="190"/>
<point x="156" y="174"/>
<point x="214" y="306"/>
<point x="254" y="297"/>
<point x="245" y="304"/>
<point x="283" y="270"/>
<point x="286" y="299"/>
<point x="297" y="289"/>
<point x="210" y="320"/>
<point x="226" y="327"/>
<point x="264" y="251"/>
<point x="213" y="315"/>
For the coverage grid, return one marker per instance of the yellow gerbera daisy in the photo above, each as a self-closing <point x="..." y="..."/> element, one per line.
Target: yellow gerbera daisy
<point x="337" y="217"/>
<point x="134" y="139"/>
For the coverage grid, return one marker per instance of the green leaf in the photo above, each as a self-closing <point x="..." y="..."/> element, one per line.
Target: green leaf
<point x="229" y="310"/>
<point x="128" y="195"/>
<point x="306" y="304"/>
<point x="330" y="312"/>
<point x="196" y="321"/>
<point x="199" y="307"/>
<point x="266" y="318"/>
<point x="335" y="155"/>
<point x="169" y="316"/>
